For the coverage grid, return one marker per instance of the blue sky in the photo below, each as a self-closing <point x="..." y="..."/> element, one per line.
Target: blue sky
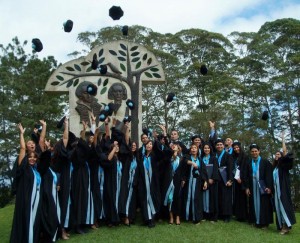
<point x="29" y="19"/>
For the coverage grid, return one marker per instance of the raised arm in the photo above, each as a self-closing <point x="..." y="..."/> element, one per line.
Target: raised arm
<point x="284" y="150"/>
<point x="82" y="133"/>
<point x="66" y="132"/>
<point x="127" y="132"/>
<point x="22" y="144"/>
<point x="43" y="135"/>
<point x="107" y="130"/>
<point x="113" y="151"/>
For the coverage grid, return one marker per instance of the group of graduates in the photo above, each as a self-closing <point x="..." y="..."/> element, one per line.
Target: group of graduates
<point x="103" y="177"/>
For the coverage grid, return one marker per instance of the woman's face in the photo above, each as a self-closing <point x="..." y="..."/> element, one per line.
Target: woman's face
<point x="30" y="145"/>
<point x="133" y="147"/>
<point x="193" y="150"/>
<point x="197" y="141"/>
<point x="277" y="155"/>
<point x="149" y="146"/>
<point x="236" y="149"/>
<point x="206" y="150"/>
<point x="32" y="158"/>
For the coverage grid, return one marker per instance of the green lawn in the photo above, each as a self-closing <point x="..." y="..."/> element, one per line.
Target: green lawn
<point x="163" y="232"/>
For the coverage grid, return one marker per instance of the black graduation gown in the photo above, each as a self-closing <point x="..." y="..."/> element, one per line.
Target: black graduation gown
<point x="240" y="200"/>
<point x="193" y="208"/>
<point x="213" y="188"/>
<point x="152" y="204"/>
<point x="81" y="195"/>
<point x="50" y="204"/>
<point x="23" y="213"/>
<point x="129" y="188"/>
<point x="285" y="192"/>
<point x="63" y="165"/>
<point x="266" y="210"/>
<point x="175" y="178"/>
<point x="225" y="192"/>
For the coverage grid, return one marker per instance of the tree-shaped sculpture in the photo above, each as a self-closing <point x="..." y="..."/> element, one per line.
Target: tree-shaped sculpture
<point x="127" y="63"/>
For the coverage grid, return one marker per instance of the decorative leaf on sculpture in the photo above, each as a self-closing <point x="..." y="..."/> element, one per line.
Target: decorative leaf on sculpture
<point x="85" y="63"/>
<point x="134" y="48"/>
<point x="149" y="75"/>
<point x="156" y="75"/>
<point x="145" y="57"/>
<point x="122" y="59"/>
<point x="70" y="69"/>
<point x="77" y="67"/>
<point x="60" y="78"/>
<point x="123" y="53"/>
<point x="123" y="47"/>
<point x="105" y="82"/>
<point x="94" y="56"/>
<point x="113" y="52"/>
<point x="76" y="81"/>
<point x="55" y="83"/>
<point x="101" y="52"/>
<point x="69" y="84"/>
<point x="89" y="69"/>
<point x="101" y="60"/>
<point x="103" y="90"/>
<point x="149" y="61"/>
<point x="138" y="65"/>
<point x="135" y="59"/>
<point x="154" y="69"/>
<point x="99" y="81"/>
<point x="134" y="54"/>
<point x="122" y="66"/>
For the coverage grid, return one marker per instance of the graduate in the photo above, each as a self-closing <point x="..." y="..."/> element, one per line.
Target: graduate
<point x="225" y="165"/>
<point x="210" y="196"/>
<point x="285" y="215"/>
<point x="240" y="202"/>
<point x="196" y="182"/>
<point x="148" y="186"/>
<point x="27" y="213"/>
<point x="83" y="204"/>
<point x="259" y="183"/>
<point x="174" y="181"/>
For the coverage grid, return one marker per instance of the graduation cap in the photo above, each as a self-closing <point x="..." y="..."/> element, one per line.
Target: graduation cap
<point x="203" y="69"/>
<point x="68" y="25"/>
<point x="61" y="122"/>
<point x="37" y="45"/>
<point x="95" y="63"/>
<point x="170" y="97"/>
<point x="92" y="89"/>
<point x="125" y="30"/>
<point x="72" y="139"/>
<point x="236" y="142"/>
<point x="102" y="115"/>
<point x="109" y="108"/>
<point x="127" y="119"/>
<point x="115" y="12"/>
<point x="254" y="145"/>
<point x="196" y="136"/>
<point x="103" y="69"/>
<point x="265" y="115"/>
<point x="196" y="173"/>
<point x="38" y="127"/>
<point x="130" y="104"/>
<point x="91" y="133"/>
<point x="147" y="131"/>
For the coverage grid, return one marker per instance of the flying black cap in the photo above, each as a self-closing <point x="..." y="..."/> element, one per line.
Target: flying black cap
<point x="37" y="45"/>
<point x="102" y="115"/>
<point x="127" y="119"/>
<point x="170" y="97"/>
<point x="125" y="30"/>
<point x="265" y="115"/>
<point x="61" y="122"/>
<point x="109" y="108"/>
<point x="115" y="12"/>
<point x="130" y="104"/>
<point x="203" y="69"/>
<point x="92" y="89"/>
<point x="103" y="69"/>
<point x="68" y="25"/>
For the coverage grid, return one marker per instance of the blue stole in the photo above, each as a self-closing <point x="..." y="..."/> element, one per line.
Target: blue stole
<point x="101" y="182"/>
<point x="219" y="157"/>
<point x="119" y="177"/>
<point x="132" y="169"/>
<point x="256" y="190"/>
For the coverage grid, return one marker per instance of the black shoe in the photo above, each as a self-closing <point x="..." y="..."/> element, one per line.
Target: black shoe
<point x="79" y="231"/>
<point x="151" y="224"/>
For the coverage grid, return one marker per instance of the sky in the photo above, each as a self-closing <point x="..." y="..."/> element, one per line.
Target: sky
<point x="28" y="19"/>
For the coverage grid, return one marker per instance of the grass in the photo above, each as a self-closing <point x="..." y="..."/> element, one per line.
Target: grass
<point x="163" y="232"/>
